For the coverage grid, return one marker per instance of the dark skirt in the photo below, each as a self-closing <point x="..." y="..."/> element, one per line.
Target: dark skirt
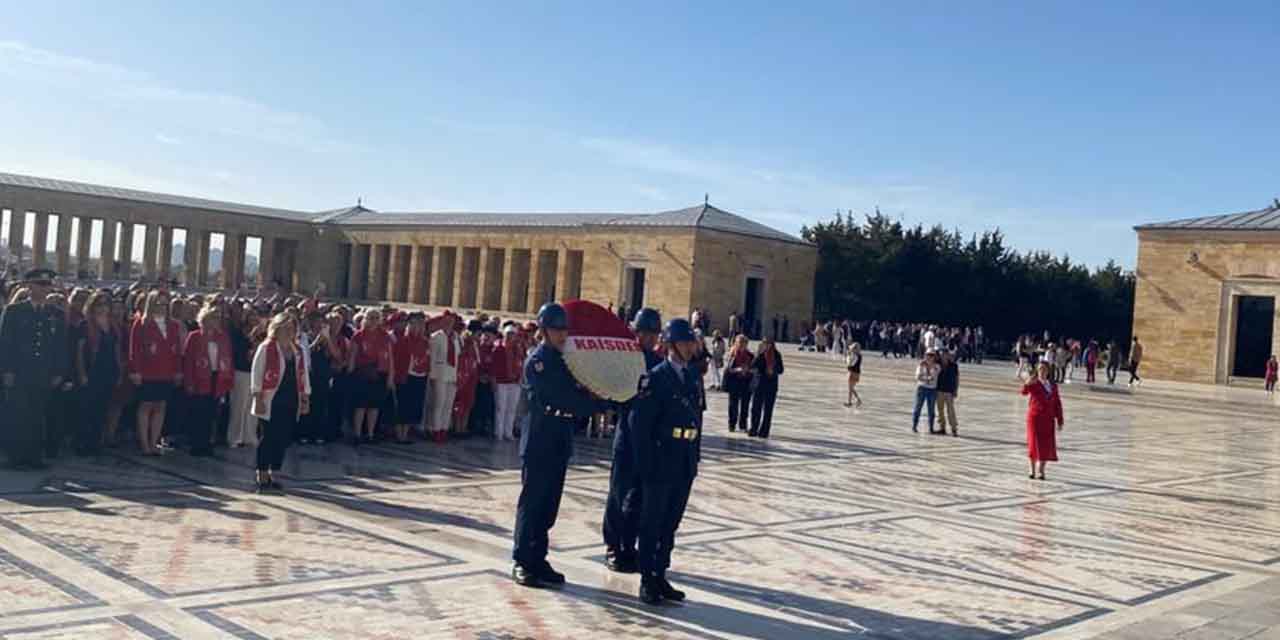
<point x="154" y="392"/>
<point x="410" y="397"/>
<point x="370" y="394"/>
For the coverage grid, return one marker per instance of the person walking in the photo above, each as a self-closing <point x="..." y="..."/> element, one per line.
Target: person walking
<point x="208" y="376"/>
<point x="948" y="391"/>
<point x="667" y="422"/>
<point x="926" y="389"/>
<point x="1273" y="371"/>
<point x="622" y="508"/>
<point x="281" y="391"/>
<point x="33" y="362"/>
<point x="767" y="367"/>
<point x="1113" y="361"/>
<point x="737" y="381"/>
<point x="1091" y="362"/>
<point x="718" y="349"/>
<point x="1044" y="409"/>
<point x="853" y="363"/>
<point x="1135" y="359"/>
<point x="555" y="403"/>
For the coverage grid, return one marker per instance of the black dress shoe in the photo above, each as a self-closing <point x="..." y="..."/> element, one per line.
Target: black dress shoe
<point x="620" y="561"/>
<point x="669" y="592"/>
<point x="650" y="591"/>
<point x="549" y="575"/>
<point x="526" y="578"/>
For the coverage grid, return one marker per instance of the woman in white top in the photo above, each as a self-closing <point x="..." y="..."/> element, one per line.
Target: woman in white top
<point x="718" y="348"/>
<point x="853" y="363"/>
<point x="926" y="388"/>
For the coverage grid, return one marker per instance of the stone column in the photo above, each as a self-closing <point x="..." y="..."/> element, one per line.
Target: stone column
<point x="379" y="260"/>
<point x="537" y="281"/>
<point x="482" y="277"/>
<point x="150" y="242"/>
<point x="107" y="254"/>
<point x="418" y="275"/>
<point x="83" y="240"/>
<point x="62" y="245"/>
<point x="395" y="266"/>
<point x="193" y="268"/>
<point x="509" y="293"/>
<point x="125" y="241"/>
<point x="164" y="252"/>
<point x="562" y="274"/>
<point x="17" y="229"/>
<point x="356" y="272"/>
<point x="462" y="279"/>
<point x="266" y="261"/>
<point x="40" y="242"/>
<point x="441" y="280"/>
<point x="232" y="260"/>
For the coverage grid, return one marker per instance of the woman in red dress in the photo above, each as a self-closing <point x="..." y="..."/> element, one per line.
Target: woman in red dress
<point x="1044" y="409"/>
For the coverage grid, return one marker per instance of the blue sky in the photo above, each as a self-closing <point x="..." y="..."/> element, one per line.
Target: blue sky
<point x="1062" y="123"/>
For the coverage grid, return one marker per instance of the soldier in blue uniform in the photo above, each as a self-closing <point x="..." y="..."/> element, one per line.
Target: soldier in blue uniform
<point x="622" y="511"/>
<point x="666" y="428"/>
<point x="555" y="404"/>
<point x="33" y="362"/>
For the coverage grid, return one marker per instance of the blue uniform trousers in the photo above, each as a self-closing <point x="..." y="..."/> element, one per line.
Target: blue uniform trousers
<point x="662" y="510"/>
<point x="542" y="485"/>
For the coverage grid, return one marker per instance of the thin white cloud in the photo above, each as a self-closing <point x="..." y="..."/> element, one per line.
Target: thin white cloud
<point x="216" y="114"/>
<point x="167" y="139"/>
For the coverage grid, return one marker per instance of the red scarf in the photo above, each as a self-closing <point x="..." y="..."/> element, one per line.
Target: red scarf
<point x="271" y="378"/>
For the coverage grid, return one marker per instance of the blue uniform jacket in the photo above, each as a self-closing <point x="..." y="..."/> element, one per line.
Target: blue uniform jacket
<point x="666" y="426"/>
<point x="622" y="437"/>
<point x="556" y="402"/>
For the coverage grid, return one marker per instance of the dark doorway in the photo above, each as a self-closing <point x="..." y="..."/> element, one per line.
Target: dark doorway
<point x="636" y="299"/>
<point x="751" y="305"/>
<point x="1255" y="317"/>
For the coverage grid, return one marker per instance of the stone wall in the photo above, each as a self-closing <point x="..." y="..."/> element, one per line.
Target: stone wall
<point x="725" y="260"/>
<point x="1182" y="311"/>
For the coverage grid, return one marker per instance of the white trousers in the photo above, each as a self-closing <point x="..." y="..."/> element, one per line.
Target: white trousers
<point x="506" y="397"/>
<point x="442" y="395"/>
<point x="243" y="427"/>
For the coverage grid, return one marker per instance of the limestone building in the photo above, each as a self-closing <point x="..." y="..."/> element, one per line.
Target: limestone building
<point x="1205" y="307"/>
<point x="674" y="261"/>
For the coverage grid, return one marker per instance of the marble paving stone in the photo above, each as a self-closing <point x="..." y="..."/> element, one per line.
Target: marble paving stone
<point x="485" y="605"/>
<point x="119" y="628"/>
<point x="26" y="588"/>
<point x="168" y="550"/>
<point x="1154" y="532"/>
<point x="1224" y="511"/>
<point x="1035" y="557"/>
<point x="83" y="474"/>
<point x="851" y="481"/>
<point x="866" y="595"/>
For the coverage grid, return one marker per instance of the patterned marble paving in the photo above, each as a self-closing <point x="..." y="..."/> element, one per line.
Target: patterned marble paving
<point x="1034" y="557"/>
<point x="844" y="524"/>
<point x="169" y="550"/>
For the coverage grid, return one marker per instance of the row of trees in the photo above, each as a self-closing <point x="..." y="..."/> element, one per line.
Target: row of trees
<point x="877" y="269"/>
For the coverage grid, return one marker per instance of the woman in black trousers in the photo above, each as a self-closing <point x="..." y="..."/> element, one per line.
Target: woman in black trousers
<point x="767" y="367"/>
<point x="99" y="364"/>
<point x="281" y="395"/>
<point x="737" y="381"/>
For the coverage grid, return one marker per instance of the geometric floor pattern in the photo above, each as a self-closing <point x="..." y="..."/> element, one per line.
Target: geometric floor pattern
<point x="1161" y="521"/>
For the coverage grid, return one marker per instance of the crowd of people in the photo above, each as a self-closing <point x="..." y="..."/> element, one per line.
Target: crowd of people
<point x="1067" y="356"/>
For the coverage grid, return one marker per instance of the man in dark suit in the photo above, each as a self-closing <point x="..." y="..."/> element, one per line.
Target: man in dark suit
<point x="33" y="362"/>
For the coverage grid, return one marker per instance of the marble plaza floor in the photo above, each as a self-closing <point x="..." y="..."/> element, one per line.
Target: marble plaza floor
<point x="1162" y="521"/>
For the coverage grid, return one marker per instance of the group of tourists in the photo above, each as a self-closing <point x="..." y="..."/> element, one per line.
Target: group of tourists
<point x="1065" y="357"/>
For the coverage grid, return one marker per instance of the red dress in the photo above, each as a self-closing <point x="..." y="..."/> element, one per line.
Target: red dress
<point x="1044" y="410"/>
<point x="468" y="376"/>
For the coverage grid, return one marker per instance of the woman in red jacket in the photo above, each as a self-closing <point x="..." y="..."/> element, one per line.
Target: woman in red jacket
<point x="1044" y="409"/>
<point x="208" y="375"/>
<point x="373" y="365"/>
<point x="413" y="364"/>
<point x="155" y="367"/>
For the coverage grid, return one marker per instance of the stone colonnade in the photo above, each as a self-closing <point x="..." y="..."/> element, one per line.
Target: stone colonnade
<point x="492" y="278"/>
<point x="73" y="253"/>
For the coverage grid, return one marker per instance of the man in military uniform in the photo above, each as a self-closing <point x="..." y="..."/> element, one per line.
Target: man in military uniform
<point x="555" y="403"/>
<point x="622" y="511"/>
<point x="666" y="428"/>
<point x="33" y="362"/>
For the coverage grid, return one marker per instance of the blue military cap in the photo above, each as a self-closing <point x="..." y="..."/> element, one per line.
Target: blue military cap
<point x="647" y="319"/>
<point x="552" y="316"/>
<point x="678" y="330"/>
